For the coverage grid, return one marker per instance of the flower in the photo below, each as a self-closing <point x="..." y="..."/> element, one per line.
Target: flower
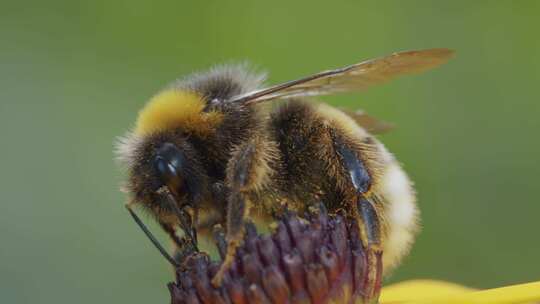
<point x="316" y="259"/>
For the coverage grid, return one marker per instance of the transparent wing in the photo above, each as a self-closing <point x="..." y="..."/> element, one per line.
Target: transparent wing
<point x="355" y="77"/>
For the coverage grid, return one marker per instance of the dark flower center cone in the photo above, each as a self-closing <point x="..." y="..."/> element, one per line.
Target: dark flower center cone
<point x="317" y="259"/>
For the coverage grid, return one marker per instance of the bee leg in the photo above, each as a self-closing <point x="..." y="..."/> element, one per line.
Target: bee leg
<point x="219" y="238"/>
<point x="367" y="216"/>
<point x="370" y="228"/>
<point x="183" y="250"/>
<point x="247" y="171"/>
<point x="183" y="245"/>
<point x="236" y="215"/>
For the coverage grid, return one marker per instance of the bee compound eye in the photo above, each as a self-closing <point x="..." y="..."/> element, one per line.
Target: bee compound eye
<point x="165" y="170"/>
<point x="168" y="163"/>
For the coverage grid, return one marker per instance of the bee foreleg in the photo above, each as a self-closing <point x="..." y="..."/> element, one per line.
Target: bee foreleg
<point x="366" y="215"/>
<point x="236" y="216"/>
<point x="247" y="171"/>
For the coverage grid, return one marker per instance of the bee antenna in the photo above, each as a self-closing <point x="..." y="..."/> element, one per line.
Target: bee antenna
<point x="151" y="237"/>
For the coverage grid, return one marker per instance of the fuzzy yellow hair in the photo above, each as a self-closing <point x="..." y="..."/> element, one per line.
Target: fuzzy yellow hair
<point x="173" y="109"/>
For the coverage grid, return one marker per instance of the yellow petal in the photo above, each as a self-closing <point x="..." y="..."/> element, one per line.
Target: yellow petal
<point x="419" y="289"/>
<point x="438" y="292"/>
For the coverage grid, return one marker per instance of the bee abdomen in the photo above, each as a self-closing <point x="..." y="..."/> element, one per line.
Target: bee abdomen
<point x="314" y="148"/>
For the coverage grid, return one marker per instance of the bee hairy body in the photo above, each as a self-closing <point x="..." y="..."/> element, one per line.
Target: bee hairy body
<point x="297" y="163"/>
<point x="205" y="152"/>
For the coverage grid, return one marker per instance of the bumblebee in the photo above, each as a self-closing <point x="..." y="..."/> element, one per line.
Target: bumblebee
<point x="207" y="150"/>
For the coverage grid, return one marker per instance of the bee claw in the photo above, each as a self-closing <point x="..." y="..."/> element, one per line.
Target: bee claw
<point x="322" y="209"/>
<point x="250" y="228"/>
<point x="227" y="262"/>
<point x="219" y="237"/>
<point x="218" y="277"/>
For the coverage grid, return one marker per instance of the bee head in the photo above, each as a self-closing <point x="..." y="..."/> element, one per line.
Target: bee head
<point x="165" y="178"/>
<point x="165" y="175"/>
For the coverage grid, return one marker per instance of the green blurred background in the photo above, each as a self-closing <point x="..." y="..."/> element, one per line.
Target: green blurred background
<point x="74" y="74"/>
